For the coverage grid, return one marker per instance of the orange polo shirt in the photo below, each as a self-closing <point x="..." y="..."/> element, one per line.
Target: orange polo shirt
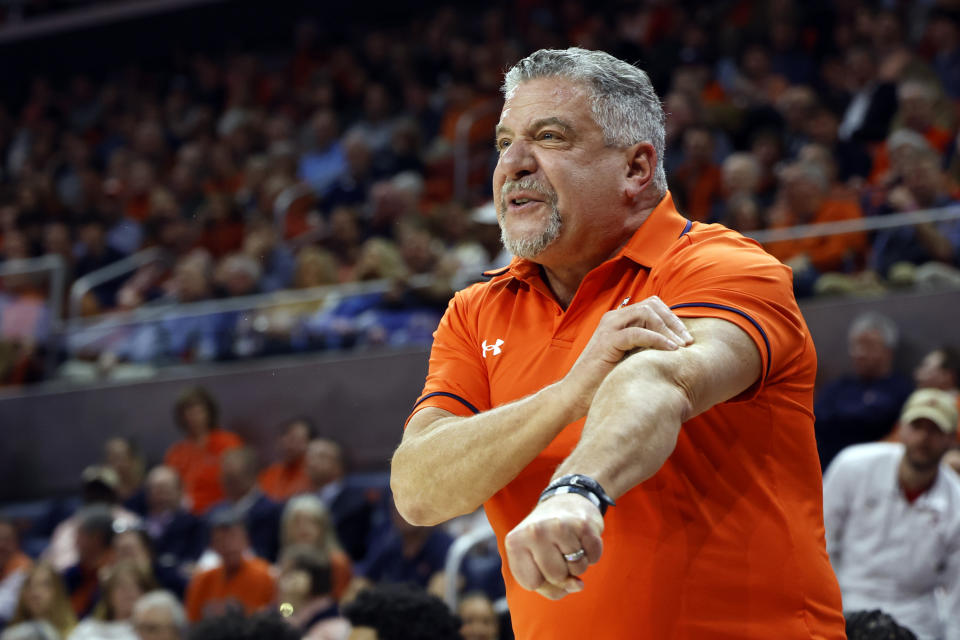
<point x="212" y="591"/>
<point x="199" y="467"/>
<point x="726" y="540"/>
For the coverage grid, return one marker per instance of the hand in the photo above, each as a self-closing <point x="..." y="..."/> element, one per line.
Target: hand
<point x="559" y="525"/>
<point x="646" y="324"/>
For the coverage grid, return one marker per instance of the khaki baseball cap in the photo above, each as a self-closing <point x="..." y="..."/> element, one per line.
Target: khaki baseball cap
<point x="932" y="404"/>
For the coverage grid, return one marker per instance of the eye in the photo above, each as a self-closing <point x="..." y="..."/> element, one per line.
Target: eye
<point x="548" y="135"/>
<point x="501" y="144"/>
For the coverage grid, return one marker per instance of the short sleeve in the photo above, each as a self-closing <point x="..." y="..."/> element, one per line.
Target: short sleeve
<point x="720" y="274"/>
<point x="457" y="379"/>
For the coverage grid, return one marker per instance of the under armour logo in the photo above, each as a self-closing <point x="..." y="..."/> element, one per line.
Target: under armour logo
<point x="492" y="347"/>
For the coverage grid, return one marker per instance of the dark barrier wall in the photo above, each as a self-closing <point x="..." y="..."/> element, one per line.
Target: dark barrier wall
<point x="49" y="436"/>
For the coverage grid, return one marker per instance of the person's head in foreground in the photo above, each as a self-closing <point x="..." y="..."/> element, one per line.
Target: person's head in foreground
<point x="875" y="625"/>
<point x="399" y="612"/>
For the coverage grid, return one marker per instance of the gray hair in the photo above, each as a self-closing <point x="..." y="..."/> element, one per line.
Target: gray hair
<point x="622" y="99"/>
<point x="875" y="321"/>
<point x="161" y="598"/>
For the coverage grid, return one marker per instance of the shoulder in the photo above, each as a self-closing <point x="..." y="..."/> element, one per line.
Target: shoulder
<point x="260" y="568"/>
<point x="868" y="456"/>
<point x="713" y="248"/>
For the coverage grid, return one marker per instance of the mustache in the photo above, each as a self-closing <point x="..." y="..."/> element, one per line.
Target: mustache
<point x="526" y="184"/>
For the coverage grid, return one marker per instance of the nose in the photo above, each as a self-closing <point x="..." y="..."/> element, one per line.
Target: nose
<point x="517" y="161"/>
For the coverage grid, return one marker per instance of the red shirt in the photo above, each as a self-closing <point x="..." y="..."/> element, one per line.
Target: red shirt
<point x="726" y="540"/>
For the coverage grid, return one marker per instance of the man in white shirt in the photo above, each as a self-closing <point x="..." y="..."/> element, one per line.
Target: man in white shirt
<point x="892" y="517"/>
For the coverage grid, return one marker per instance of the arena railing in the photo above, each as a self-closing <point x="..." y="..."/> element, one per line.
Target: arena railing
<point x="242" y="326"/>
<point x="87" y="283"/>
<point x="456" y="555"/>
<point x="870" y="223"/>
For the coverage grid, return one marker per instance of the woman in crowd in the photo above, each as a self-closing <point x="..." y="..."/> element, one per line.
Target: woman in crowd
<point x="197" y="456"/>
<point x="123" y="584"/>
<point x="44" y="598"/>
<point x="304" y="595"/>
<point x="306" y="521"/>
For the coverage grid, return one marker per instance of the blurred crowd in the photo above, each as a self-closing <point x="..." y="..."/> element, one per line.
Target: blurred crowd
<point x="209" y="537"/>
<point x="326" y="160"/>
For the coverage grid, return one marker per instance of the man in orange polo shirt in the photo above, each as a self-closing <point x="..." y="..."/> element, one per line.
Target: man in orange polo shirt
<point x="242" y="582"/>
<point x="537" y="406"/>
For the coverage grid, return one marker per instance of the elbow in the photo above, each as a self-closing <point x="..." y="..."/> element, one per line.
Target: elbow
<point x="412" y="503"/>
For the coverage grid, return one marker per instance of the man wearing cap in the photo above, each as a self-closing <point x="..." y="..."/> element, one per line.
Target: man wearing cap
<point x="892" y="517"/>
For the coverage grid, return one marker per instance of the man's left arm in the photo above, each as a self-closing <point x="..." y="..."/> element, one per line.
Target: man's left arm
<point x="630" y="431"/>
<point x="951" y="585"/>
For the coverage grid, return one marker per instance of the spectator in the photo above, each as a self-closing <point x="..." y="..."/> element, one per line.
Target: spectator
<point x="352" y="508"/>
<point x="94" y="544"/>
<point x="14" y="566"/>
<point x="43" y="598"/>
<point x="306" y="523"/>
<point x="99" y="485"/>
<point x="176" y="534"/>
<point x="121" y="455"/>
<point x="939" y="369"/>
<point x="275" y="260"/>
<point x="923" y="187"/>
<point x="872" y="102"/>
<point x="917" y="101"/>
<point x="304" y="590"/>
<point x="396" y="612"/>
<point x="240" y="584"/>
<point x="94" y="252"/>
<point x="288" y="476"/>
<point x="324" y="161"/>
<point x="875" y="625"/>
<point x="893" y="523"/>
<point x="696" y="183"/>
<point x="850" y="155"/>
<point x="261" y="515"/>
<point x="158" y="615"/>
<point x="196" y="458"/>
<point x="405" y="554"/>
<point x="133" y="545"/>
<point x="864" y="405"/>
<point x="944" y="35"/>
<point x="479" y="620"/>
<point x="805" y="200"/>
<point x="123" y="584"/>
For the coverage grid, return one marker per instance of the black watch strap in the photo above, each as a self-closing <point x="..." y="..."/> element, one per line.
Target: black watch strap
<point x="582" y="485"/>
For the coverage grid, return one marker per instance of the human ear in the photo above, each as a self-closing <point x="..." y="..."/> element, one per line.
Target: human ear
<point x="641" y="167"/>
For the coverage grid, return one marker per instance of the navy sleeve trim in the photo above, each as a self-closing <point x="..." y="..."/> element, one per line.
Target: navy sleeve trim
<point x="449" y="395"/>
<point x="686" y="228"/>
<point x="763" y="333"/>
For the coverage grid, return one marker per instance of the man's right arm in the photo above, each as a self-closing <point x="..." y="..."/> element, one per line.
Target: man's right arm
<point x="448" y="465"/>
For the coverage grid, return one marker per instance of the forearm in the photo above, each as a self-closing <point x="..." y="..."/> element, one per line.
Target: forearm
<point x="635" y="418"/>
<point x="452" y="464"/>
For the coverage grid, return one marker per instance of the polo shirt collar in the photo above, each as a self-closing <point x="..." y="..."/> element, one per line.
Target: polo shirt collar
<point x="645" y="247"/>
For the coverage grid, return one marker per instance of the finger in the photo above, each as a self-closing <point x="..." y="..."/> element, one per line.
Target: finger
<point x="524" y="568"/>
<point x="551" y="591"/>
<point x="593" y="545"/>
<point x="651" y="315"/>
<point x="551" y="563"/>
<point x="633" y="337"/>
<point x="578" y="567"/>
<point x="670" y="319"/>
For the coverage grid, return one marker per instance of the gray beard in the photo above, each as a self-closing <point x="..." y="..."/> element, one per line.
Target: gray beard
<point x="529" y="248"/>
